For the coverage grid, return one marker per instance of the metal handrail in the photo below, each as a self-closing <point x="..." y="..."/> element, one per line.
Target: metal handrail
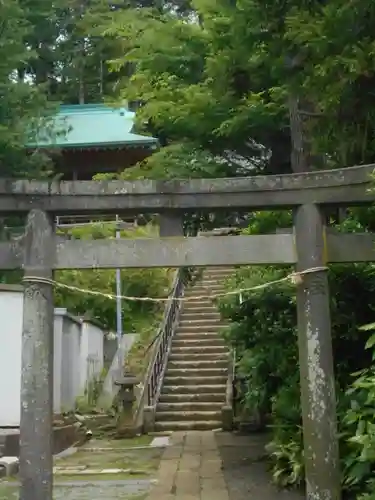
<point x="155" y="373"/>
<point x="166" y="333"/>
<point x="230" y="390"/>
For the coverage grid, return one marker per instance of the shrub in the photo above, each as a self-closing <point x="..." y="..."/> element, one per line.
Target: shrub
<point x="263" y="329"/>
<point x="150" y="282"/>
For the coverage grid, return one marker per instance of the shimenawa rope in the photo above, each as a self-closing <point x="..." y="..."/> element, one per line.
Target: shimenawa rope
<point x="296" y="278"/>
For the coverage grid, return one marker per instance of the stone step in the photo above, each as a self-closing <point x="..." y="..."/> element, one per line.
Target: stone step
<point x="207" y="327"/>
<point x="211" y="284"/>
<point x="196" y="372"/>
<point x="196" y="350"/>
<point x="199" y="328"/>
<point x="199" y="306"/>
<point x="192" y="315"/>
<point x="208" y="284"/>
<point x="193" y="303"/>
<point x="204" y="425"/>
<point x="185" y="398"/>
<point x="181" y="416"/>
<point x="198" y="381"/>
<point x="181" y="355"/>
<point x="204" y="297"/>
<point x="204" y="292"/>
<point x="188" y="406"/>
<point x="212" y="281"/>
<point x="202" y="341"/>
<point x="208" y="336"/>
<point x="217" y="273"/>
<point x="221" y="364"/>
<point x="201" y="321"/>
<point x="194" y="389"/>
<point x="197" y="335"/>
<point x="208" y="281"/>
<point x="215" y="276"/>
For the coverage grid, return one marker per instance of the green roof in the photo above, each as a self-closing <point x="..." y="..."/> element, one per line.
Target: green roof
<point x="91" y="126"/>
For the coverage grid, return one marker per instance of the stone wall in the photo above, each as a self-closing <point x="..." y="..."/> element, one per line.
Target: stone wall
<point x="78" y="356"/>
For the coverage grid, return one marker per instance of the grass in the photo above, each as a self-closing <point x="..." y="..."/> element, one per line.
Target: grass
<point x="142" y="460"/>
<point x="143" y="463"/>
<point x="114" y="454"/>
<point x="140" y="353"/>
<point x="143" y="440"/>
<point x="147" y="327"/>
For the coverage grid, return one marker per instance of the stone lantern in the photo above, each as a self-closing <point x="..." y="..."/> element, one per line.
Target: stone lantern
<point x="126" y="398"/>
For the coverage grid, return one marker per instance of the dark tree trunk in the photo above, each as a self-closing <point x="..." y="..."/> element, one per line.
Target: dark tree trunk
<point x="299" y="152"/>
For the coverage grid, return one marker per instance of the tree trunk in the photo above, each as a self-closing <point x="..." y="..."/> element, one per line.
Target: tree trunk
<point x="302" y="159"/>
<point x="299" y="152"/>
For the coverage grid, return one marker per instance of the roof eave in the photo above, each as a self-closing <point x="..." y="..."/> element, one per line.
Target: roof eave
<point x="149" y="144"/>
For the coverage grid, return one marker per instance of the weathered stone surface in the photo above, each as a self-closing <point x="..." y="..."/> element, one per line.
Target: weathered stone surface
<point x="195" y="472"/>
<point x="10" y="465"/>
<point x="341" y="186"/>
<point x="177" y="252"/>
<point x="36" y="427"/>
<point x="121" y="489"/>
<point x="246" y="473"/>
<point x="193" y="391"/>
<point x="318" y="400"/>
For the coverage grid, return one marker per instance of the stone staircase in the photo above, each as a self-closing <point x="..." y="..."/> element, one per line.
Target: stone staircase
<point x="194" y="386"/>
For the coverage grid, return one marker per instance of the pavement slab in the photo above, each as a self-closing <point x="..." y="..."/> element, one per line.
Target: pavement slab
<point x="245" y="470"/>
<point x="207" y="465"/>
<point x="190" y="469"/>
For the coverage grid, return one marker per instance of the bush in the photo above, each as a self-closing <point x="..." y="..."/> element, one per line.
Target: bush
<point x="149" y="282"/>
<point x="263" y="329"/>
<point x="358" y="431"/>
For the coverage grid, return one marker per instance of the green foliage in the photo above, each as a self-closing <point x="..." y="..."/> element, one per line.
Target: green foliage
<point x="87" y="402"/>
<point x="263" y="330"/>
<point x="286" y="454"/>
<point x="179" y="161"/>
<point x="184" y="73"/>
<point x="223" y="79"/>
<point x="134" y="282"/>
<point x="358" y="429"/>
<point x="22" y="105"/>
<point x="213" y="78"/>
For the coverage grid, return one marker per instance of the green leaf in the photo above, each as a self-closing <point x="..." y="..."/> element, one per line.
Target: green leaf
<point x="371" y="342"/>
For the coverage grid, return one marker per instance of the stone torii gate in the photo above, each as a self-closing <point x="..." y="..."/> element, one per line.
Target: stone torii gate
<point x="40" y="251"/>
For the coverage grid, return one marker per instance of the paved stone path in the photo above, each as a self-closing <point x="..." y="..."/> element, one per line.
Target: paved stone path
<point x="190" y="469"/>
<point x="199" y="465"/>
<point x="74" y="477"/>
<point x="246" y="471"/>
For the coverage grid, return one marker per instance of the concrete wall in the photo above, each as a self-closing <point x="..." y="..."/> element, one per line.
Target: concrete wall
<point x="78" y="356"/>
<point x="110" y="348"/>
<point x="110" y="389"/>
<point x="68" y="329"/>
<point x="11" y="305"/>
<point x="91" y="354"/>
